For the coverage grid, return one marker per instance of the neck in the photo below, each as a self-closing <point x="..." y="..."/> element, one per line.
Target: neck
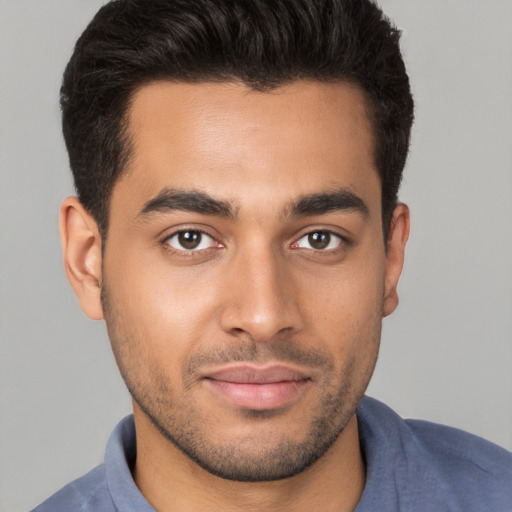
<point x="170" y="481"/>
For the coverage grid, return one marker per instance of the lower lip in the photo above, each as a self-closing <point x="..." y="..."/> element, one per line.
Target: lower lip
<point x="258" y="396"/>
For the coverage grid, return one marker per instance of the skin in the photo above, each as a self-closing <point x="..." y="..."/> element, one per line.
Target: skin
<point x="258" y="289"/>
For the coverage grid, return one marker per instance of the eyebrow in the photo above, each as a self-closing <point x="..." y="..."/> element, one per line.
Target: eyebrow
<point x="168" y="200"/>
<point x="326" y="202"/>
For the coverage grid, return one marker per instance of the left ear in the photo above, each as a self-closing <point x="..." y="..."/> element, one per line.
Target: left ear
<point x="397" y="239"/>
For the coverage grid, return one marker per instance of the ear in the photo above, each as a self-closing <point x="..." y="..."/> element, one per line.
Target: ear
<point x="397" y="239"/>
<point x="81" y="246"/>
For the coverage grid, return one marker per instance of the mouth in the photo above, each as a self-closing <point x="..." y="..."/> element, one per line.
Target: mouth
<point x="258" y="388"/>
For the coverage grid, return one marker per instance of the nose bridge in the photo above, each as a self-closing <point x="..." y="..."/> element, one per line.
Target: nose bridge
<point x="260" y="300"/>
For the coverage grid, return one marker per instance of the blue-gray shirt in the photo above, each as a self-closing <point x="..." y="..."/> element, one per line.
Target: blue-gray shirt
<point x="411" y="466"/>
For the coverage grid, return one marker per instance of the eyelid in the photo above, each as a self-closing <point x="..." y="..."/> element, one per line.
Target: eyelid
<point x="183" y="251"/>
<point x="344" y="241"/>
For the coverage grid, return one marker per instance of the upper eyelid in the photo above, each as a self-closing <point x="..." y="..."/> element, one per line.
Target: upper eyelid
<point x="344" y="243"/>
<point x="293" y="240"/>
<point x="184" y="230"/>
<point x="177" y="231"/>
<point x="331" y="231"/>
<point x="188" y="253"/>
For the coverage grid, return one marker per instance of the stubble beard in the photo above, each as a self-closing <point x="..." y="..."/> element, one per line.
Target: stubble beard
<point x="250" y="459"/>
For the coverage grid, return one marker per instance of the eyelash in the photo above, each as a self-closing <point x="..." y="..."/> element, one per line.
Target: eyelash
<point x="343" y="243"/>
<point x="184" y="253"/>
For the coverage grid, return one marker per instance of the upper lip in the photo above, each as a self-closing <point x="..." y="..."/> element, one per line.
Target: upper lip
<point x="250" y="374"/>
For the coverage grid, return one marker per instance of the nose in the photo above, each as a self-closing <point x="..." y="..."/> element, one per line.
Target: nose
<point x="261" y="300"/>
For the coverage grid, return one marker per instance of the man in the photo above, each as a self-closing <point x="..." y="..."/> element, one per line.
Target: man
<point x="237" y="226"/>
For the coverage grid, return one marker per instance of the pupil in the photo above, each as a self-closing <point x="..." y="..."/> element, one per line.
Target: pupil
<point x="189" y="239"/>
<point x="319" y="240"/>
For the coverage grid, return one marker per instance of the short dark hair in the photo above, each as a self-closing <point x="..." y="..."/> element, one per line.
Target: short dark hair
<point x="262" y="43"/>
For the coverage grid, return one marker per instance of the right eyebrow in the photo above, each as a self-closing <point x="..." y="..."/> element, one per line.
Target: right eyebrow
<point x="168" y="200"/>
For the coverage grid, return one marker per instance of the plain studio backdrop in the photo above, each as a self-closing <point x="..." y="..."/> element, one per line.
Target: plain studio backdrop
<point x="446" y="353"/>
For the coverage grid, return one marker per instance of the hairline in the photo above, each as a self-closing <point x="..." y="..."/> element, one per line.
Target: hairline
<point x="124" y="135"/>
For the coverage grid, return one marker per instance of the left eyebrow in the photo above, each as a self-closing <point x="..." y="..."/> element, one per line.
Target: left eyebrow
<point x="327" y="202"/>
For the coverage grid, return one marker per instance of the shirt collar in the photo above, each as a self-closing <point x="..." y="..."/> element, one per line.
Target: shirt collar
<point x="119" y="459"/>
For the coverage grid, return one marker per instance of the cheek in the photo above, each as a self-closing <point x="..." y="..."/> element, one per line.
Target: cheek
<point x="350" y="298"/>
<point x="346" y="317"/>
<point x="163" y="307"/>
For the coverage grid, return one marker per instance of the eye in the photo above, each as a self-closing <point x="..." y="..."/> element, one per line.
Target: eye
<point x="190" y="240"/>
<point x="319" y="241"/>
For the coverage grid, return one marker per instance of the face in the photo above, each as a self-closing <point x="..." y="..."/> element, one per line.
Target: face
<point x="244" y="272"/>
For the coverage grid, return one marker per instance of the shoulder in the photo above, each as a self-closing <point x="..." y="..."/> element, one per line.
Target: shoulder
<point x="430" y="461"/>
<point x="109" y="487"/>
<point x="85" y="494"/>
<point x="456" y="447"/>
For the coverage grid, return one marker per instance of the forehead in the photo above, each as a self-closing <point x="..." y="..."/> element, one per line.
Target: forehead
<point x="239" y="144"/>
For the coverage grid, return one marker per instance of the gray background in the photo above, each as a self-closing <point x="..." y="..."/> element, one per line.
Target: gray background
<point x="446" y="353"/>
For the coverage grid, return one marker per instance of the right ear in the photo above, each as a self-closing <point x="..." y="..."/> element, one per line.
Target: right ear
<point x="81" y="247"/>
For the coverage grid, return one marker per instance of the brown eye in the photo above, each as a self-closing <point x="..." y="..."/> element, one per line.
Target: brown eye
<point x="190" y="240"/>
<point x="319" y="240"/>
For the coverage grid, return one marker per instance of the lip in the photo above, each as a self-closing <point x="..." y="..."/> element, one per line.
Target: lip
<point x="258" y="388"/>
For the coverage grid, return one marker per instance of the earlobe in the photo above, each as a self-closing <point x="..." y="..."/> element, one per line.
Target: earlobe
<point x="81" y="246"/>
<point x="397" y="240"/>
